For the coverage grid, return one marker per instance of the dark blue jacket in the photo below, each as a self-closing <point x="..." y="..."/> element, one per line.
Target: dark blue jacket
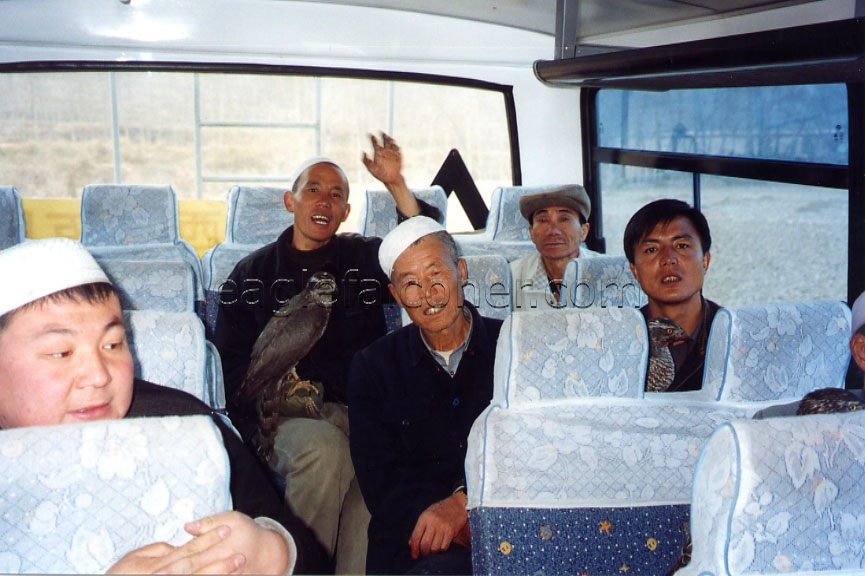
<point x="409" y="424"/>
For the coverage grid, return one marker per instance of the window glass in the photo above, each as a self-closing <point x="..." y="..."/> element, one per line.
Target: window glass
<point x="796" y="123"/>
<point x="774" y="242"/>
<point x="770" y="242"/>
<point x="624" y="189"/>
<point x="204" y="132"/>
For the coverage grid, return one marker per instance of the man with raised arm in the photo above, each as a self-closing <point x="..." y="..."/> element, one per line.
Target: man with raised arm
<point x="413" y="398"/>
<point x="558" y="223"/>
<point x="312" y="454"/>
<point x="65" y="358"/>
<point x="667" y="244"/>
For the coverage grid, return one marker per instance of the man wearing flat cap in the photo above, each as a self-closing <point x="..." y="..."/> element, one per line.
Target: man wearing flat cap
<point x="558" y="223"/>
<point x="413" y="397"/>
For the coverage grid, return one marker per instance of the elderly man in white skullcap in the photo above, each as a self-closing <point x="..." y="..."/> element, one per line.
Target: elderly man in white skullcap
<point x="413" y="396"/>
<point x="312" y="454"/>
<point x="64" y="358"/>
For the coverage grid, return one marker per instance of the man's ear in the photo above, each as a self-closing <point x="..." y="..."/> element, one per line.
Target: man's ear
<point x="857" y="350"/>
<point x="347" y="210"/>
<point x="634" y="272"/>
<point x="288" y="200"/>
<point x="462" y="267"/>
<point x="393" y="293"/>
<point x="584" y="231"/>
<point x="706" y="258"/>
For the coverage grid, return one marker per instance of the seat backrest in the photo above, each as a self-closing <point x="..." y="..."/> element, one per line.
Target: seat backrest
<point x="12" y="229"/>
<point x="782" y="495"/>
<point x="217" y="264"/>
<point x="169" y="348"/>
<point x="604" y="281"/>
<point x="378" y="209"/>
<point x="75" y="498"/>
<point x="122" y="215"/>
<point x="504" y="219"/>
<point x="777" y="352"/>
<point x="152" y="284"/>
<point x="489" y="284"/>
<point x="546" y="357"/>
<point x="256" y="215"/>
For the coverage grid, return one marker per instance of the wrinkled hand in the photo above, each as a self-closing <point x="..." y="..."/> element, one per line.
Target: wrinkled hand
<point x="438" y="526"/>
<point x="226" y="543"/>
<point x="386" y="162"/>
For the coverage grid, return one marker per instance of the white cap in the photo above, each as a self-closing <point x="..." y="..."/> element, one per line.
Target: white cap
<point x="858" y="309"/>
<point x="37" y="268"/>
<point x="309" y="163"/>
<point x="403" y="236"/>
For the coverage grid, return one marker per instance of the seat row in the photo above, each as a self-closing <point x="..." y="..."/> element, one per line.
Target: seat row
<point x="573" y="468"/>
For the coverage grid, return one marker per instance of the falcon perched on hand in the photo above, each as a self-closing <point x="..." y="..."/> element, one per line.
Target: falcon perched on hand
<point x="663" y="332"/>
<point x="829" y="400"/>
<point x="287" y="338"/>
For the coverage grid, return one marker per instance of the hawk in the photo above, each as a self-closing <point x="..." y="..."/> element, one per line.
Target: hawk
<point x="662" y="370"/>
<point x="287" y="338"/>
<point x="829" y="400"/>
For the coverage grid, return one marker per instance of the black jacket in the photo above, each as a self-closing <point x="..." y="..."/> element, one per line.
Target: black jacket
<point x="409" y="424"/>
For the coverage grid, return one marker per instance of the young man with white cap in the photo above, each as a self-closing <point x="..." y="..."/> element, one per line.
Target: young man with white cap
<point x="413" y="398"/>
<point x="313" y="454"/>
<point x="64" y="358"/>
<point x="558" y="223"/>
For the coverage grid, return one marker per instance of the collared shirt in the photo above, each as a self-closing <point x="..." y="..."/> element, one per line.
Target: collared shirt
<point x="450" y="359"/>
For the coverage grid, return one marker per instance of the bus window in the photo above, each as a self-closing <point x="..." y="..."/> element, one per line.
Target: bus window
<point x="204" y="132"/>
<point x="765" y="166"/>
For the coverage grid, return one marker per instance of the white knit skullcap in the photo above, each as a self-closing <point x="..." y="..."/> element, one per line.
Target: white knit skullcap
<point x="858" y="309"/>
<point x="403" y="236"/>
<point x="309" y="163"/>
<point x="37" y="268"/>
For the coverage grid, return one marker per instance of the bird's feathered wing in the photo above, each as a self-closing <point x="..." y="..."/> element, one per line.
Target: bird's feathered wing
<point x="288" y="337"/>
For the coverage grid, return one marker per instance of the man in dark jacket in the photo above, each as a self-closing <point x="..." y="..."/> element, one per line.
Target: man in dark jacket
<point x="667" y="244"/>
<point x="312" y="454"/>
<point x="64" y="358"/>
<point x="413" y="398"/>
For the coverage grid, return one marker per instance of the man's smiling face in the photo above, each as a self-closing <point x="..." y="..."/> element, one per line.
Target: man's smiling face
<point x="320" y="205"/>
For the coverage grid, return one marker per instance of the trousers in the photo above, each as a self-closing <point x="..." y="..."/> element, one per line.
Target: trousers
<point x="313" y="456"/>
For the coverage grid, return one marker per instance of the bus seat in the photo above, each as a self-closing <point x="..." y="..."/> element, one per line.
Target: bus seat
<point x="776" y="352"/>
<point x="781" y="495"/>
<point x="169" y="349"/>
<point x="505" y="219"/>
<point x="75" y="498"/>
<point x="135" y="222"/>
<point x="489" y="284"/>
<point x="256" y="215"/>
<point x="216" y="265"/>
<point x="604" y="281"/>
<point x="506" y="232"/>
<point x="588" y="486"/>
<point x="12" y="227"/>
<point x="153" y="284"/>
<point x="546" y="357"/>
<point x="378" y="209"/>
<point x="572" y="468"/>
